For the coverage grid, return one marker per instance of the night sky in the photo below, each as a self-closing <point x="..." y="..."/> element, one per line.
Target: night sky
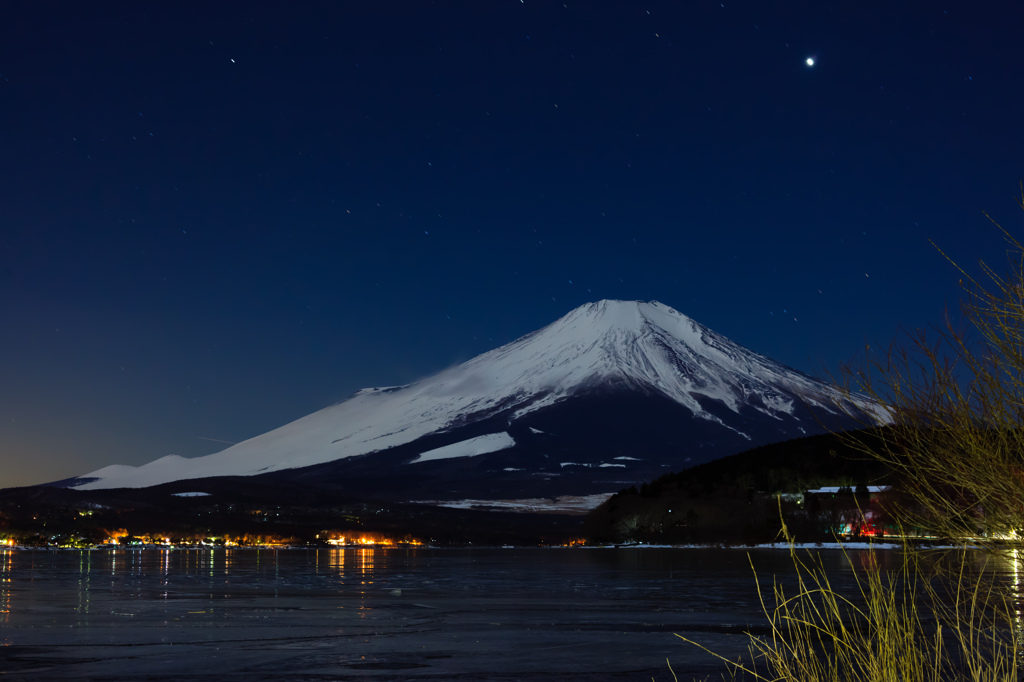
<point x="217" y="217"/>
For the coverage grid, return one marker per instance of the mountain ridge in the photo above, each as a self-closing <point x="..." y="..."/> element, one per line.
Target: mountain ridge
<point x="644" y="354"/>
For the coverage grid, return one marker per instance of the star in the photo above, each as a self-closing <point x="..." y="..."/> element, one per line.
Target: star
<point x="809" y="61"/>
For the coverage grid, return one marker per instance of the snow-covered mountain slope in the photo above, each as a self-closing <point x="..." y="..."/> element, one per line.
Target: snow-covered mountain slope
<point x="608" y="347"/>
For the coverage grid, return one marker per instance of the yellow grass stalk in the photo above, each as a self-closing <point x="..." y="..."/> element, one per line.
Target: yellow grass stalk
<point x="930" y="621"/>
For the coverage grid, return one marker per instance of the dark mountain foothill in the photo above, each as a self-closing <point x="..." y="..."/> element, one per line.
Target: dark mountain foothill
<point x="743" y="499"/>
<point x="732" y="500"/>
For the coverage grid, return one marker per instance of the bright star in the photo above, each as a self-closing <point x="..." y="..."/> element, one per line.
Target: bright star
<point x="810" y="61"/>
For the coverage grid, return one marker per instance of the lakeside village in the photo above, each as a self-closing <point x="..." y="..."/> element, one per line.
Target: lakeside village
<point x="78" y="529"/>
<point x="121" y="539"/>
<point x="850" y="514"/>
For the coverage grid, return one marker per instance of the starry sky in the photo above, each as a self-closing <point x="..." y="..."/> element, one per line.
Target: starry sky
<point x="216" y="218"/>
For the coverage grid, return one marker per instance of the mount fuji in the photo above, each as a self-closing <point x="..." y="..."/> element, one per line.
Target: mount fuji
<point x="611" y="394"/>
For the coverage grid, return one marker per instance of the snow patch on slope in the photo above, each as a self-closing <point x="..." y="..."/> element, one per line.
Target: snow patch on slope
<point x="481" y="445"/>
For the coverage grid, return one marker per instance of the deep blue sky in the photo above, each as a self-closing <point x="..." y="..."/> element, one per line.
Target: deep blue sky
<point x="216" y="217"/>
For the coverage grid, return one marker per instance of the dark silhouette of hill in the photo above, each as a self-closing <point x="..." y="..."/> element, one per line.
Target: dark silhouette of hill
<point x="736" y="499"/>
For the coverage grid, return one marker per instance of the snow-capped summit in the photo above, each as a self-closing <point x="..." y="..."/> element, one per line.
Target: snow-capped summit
<point x="641" y="345"/>
<point x="627" y="386"/>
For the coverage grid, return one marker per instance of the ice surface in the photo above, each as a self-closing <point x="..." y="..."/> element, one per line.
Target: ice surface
<point x="480" y="615"/>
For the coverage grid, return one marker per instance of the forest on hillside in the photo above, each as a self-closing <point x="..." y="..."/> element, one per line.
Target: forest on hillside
<point x="744" y="499"/>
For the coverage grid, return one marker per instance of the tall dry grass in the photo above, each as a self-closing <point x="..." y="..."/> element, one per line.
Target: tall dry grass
<point x="935" y="619"/>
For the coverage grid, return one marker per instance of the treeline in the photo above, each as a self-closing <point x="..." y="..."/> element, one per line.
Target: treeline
<point x="738" y="499"/>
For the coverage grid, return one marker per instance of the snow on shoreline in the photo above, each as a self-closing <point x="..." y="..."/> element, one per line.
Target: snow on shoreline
<point x="563" y="504"/>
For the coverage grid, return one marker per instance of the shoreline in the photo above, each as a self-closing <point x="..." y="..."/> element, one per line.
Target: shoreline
<point x="858" y="545"/>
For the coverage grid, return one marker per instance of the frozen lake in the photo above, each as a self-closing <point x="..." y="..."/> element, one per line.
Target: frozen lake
<point x="374" y="614"/>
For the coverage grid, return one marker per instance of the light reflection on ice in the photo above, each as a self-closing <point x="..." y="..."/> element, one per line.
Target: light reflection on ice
<point x="337" y="561"/>
<point x="5" y="586"/>
<point x="84" y="579"/>
<point x="365" y="556"/>
<point x="1015" y="570"/>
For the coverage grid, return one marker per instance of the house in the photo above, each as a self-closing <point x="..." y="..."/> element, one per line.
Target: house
<point x="849" y="511"/>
